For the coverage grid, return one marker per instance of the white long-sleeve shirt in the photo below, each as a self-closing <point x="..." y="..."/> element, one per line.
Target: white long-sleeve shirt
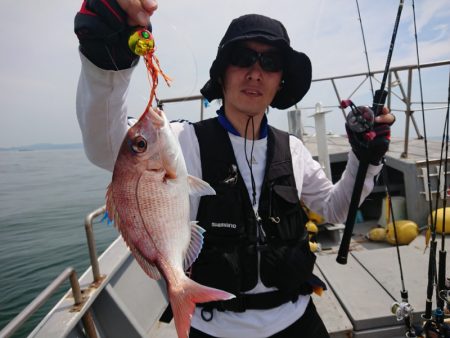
<point x="102" y="116"/>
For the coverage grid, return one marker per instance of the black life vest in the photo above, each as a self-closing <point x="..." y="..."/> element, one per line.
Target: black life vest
<point x="234" y="236"/>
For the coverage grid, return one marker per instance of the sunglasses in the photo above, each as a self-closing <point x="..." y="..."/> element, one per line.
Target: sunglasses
<point x="243" y="57"/>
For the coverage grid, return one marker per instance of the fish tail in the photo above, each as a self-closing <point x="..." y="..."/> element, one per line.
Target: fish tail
<point x="184" y="298"/>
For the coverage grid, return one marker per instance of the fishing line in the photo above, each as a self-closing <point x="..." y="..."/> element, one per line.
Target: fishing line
<point x="365" y="48"/>
<point x="391" y="211"/>
<point x="422" y="107"/>
<point x="188" y="47"/>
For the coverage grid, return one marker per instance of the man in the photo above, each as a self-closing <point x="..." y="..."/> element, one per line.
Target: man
<point x="255" y="243"/>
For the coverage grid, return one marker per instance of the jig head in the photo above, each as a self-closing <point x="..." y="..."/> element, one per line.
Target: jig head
<point x="141" y="42"/>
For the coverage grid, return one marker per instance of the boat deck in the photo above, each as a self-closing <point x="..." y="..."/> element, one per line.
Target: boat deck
<point x="367" y="286"/>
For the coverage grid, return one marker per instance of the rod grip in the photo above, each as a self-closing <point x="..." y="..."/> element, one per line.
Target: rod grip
<point x="353" y="208"/>
<point x="379" y="100"/>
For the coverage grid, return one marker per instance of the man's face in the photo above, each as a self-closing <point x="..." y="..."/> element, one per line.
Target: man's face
<point x="249" y="88"/>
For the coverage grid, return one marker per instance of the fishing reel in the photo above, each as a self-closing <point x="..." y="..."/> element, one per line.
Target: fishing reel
<point x="359" y="119"/>
<point x="402" y="310"/>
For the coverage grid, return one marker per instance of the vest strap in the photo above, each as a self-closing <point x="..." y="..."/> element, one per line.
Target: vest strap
<point x="258" y="301"/>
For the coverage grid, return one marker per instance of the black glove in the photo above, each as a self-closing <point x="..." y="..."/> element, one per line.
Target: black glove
<point x="103" y="32"/>
<point x="289" y="267"/>
<point x="370" y="145"/>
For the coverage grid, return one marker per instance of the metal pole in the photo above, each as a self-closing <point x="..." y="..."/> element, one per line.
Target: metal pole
<point x="408" y="115"/>
<point x="338" y="97"/>
<point x="321" y="137"/>
<point x="91" y="242"/>
<point x="88" y="321"/>
<point x="295" y="124"/>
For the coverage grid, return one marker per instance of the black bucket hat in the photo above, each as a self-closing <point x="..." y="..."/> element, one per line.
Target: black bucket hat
<point x="296" y="69"/>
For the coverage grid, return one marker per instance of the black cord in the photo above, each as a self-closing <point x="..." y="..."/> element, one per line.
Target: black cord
<point x="250" y="162"/>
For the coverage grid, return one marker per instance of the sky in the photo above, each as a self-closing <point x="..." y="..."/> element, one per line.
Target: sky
<point x="39" y="63"/>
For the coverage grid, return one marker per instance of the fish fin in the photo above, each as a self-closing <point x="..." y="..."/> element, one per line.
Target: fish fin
<point x="150" y="269"/>
<point x="198" y="187"/>
<point x="195" y="245"/>
<point x="183" y="300"/>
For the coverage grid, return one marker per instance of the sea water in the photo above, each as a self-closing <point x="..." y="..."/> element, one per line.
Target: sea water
<point x="44" y="197"/>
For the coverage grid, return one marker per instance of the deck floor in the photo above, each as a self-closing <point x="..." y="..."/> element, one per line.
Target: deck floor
<point x="368" y="285"/>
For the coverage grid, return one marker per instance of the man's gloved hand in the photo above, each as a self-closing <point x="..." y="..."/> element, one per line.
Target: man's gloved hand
<point x="374" y="144"/>
<point x="104" y="26"/>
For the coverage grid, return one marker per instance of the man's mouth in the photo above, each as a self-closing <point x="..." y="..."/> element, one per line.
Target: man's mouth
<point x="252" y="92"/>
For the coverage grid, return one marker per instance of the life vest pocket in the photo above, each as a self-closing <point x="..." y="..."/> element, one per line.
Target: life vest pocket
<point x="218" y="268"/>
<point x="286" y="216"/>
<point x="287" y="267"/>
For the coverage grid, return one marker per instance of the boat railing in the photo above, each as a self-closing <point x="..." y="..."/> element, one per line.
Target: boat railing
<point x="68" y="273"/>
<point x="88" y="221"/>
<point x="17" y="322"/>
<point x="404" y="94"/>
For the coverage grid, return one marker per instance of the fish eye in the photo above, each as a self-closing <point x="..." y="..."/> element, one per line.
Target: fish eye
<point x="139" y="144"/>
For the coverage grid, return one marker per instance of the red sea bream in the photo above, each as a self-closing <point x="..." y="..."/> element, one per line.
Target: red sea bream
<point x="148" y="199"/>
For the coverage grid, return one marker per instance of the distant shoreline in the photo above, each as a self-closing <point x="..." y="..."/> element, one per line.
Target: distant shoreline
<point x="51" y="146"/>
<point x="44" y="146"/>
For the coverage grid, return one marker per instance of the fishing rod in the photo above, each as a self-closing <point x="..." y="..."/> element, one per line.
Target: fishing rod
<point x="428" y="316"/>
<point x="443" y="253"/>
<point x="359" y="122"/>
<point x="403" y="310"/>
<point x="434" y="322"/>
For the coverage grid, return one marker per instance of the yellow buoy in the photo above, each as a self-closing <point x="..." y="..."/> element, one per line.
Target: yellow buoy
<point x="440" y="220"/>
<point x="406" y="232"/>
<point x="377" y="234"/>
